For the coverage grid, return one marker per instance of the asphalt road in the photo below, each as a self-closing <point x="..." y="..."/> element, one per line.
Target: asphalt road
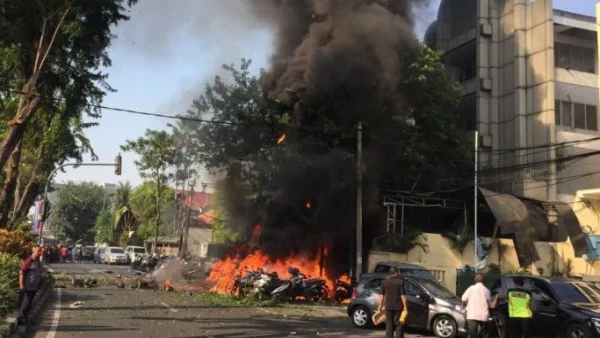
<point x="88" y="268"/>
<point x="108" y="311"/>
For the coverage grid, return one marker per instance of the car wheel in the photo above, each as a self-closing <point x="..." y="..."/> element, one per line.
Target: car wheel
<point x="578" y="331"/>
<point x="444" y="327"/>
<point x="499" y="323"/>
<point x="361" y="317"/>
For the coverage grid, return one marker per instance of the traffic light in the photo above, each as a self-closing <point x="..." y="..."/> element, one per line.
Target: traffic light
<point x="45" y="210"/>
<point x="118" y="165"/>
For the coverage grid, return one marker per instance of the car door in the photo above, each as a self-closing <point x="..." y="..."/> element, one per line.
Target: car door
<point x="544" y="308"/>
<point x="418" y="305"/>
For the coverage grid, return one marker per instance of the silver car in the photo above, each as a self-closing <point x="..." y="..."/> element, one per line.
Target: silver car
<point x="430" y="305"/>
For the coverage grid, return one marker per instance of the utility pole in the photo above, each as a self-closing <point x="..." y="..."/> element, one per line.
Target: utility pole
<point x="189" y="216"/>
<point x="359" y="262"/>
<point x="476" y="196"/>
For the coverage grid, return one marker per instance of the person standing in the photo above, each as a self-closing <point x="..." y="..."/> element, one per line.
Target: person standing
<point x="476" y="300"/>
<point x="519" y="310"/>
<point x="30" y="279"/>
<point x="393" y="300"/>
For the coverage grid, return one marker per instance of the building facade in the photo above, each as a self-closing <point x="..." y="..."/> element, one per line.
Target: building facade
<point x="529" y="86"/>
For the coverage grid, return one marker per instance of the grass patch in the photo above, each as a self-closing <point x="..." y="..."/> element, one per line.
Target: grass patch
<point x="9" y="282"/>
<point x="215" y="299"/>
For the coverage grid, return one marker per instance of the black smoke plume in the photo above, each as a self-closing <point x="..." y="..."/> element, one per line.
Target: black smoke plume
<point x="335" y="62"/>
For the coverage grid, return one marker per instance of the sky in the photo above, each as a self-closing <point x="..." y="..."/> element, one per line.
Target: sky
<point x="165" y="55"/>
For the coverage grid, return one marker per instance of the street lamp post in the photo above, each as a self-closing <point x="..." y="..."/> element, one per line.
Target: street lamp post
<point x="116" y="164"/>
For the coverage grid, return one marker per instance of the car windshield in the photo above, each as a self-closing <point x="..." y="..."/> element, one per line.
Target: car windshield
<point x="437" y="289"/>
<point x="117" y="250"/>
<point x="139" y="250"/>
<point x="417" y="273"/>
<point x="578" y="292"/>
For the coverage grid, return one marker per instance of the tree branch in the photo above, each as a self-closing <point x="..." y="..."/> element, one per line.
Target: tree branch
<point x="58" y="26"/>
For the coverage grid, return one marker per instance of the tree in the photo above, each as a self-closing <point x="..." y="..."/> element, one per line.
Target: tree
<point x="123" y="195"/>
<point x="292" y="155"/>
<point x="52" y="50"/>
<point x="50" y="56"/>
<point x="103" y="227"/>
<point x="143" y="205"/>
<point x="75" y="212"/>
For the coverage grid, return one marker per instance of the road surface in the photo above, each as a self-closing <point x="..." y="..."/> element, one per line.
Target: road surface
<point x="88" y="268"/>
<point x="108" y="311"/>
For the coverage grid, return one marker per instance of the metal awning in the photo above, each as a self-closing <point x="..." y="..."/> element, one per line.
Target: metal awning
<point x="508" y="210"/>
<point x="516" y="215"/>
<point x="568" y="221"/>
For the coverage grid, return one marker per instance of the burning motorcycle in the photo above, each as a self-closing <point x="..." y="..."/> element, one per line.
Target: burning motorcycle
<point x="243" y="285"/>
<point x="300" y="286"/>
<point x="265" y="284"/>
<point x="343" y="291"/>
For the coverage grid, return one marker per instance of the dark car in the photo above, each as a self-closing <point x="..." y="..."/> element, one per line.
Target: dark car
<point x="430" y="305"/>
<point x="561" y="307"/>
<point x="405" y="269"/>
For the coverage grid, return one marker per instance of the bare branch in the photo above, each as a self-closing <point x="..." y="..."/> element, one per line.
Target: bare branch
<point x="58" y="26"/>
<point x="40" y="46"/>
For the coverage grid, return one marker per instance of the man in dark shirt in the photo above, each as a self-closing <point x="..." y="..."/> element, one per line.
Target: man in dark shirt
<point x="30" y="278"/>
<point x="393" y="300"/>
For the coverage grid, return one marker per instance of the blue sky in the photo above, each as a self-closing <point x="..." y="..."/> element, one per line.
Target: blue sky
<point x="165" y="54"/>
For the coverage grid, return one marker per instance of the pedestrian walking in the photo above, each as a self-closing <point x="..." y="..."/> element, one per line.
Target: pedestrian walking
<point x="519" y="310"/>
<point x="476" y="300"/>
<point x="393" y="301"/>
<point x="30" y="278"/>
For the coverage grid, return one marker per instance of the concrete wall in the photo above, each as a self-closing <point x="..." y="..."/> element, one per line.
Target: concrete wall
<point x="443" y="261"/>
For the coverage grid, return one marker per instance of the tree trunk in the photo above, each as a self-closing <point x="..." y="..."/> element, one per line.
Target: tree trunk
<point x="7" y="196"/>
<point x="30" y="101"/>
<point x="25" y="197"/>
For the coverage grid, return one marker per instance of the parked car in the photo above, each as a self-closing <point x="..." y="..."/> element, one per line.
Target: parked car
<point x="134" y="251"/>
<point x="430" y="305"/>
<point x="561" y="307"/>
<point x="404" y="269"/>
<point x="99" y="255"/>
<point x="115" y="255"/>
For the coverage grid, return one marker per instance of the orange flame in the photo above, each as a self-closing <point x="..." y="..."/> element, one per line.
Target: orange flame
<point x="281" y="139"/>
<point x="308" y="205"/>
<point x="224" y="272"/>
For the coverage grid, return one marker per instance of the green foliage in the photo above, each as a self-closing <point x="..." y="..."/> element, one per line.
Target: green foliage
<point x="9" y="282"/>
<point x="413" y="238"/>
<point x="157" y="150"/>
<point x="58" y="49"/>
<point x="143" y="206"/>
<point x="103" y="228"/>
<point x="458" y="242"/>
<point x="75" y="212"/>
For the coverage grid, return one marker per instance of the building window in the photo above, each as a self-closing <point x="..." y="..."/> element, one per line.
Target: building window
<point x="578" y="58"/>
<point x="467" y="68"/>
<point x="576" y="115"/>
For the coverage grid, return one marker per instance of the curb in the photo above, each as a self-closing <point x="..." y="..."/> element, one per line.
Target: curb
<point x="39" y="300"/>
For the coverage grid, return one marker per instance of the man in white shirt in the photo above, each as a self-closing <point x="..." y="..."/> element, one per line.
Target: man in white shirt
<point x="476" y="300"/>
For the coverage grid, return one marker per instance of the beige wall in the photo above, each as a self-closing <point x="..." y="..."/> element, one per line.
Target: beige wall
<point x="443" y="261"/>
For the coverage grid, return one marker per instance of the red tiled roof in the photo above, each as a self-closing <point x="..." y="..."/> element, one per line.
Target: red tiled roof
<point x="196" y="200"/>
<point x="208" y="217"/>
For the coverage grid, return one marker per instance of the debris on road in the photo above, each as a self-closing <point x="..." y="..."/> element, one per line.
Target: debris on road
<point x="84" y="283"/>
<point x="76" y="305"/>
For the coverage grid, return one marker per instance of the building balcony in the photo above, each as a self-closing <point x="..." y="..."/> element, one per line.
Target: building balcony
<point x="576" y="77"/>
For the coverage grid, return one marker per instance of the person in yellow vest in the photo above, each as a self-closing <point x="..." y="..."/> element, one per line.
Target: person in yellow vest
<point x="519" y="310"/>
